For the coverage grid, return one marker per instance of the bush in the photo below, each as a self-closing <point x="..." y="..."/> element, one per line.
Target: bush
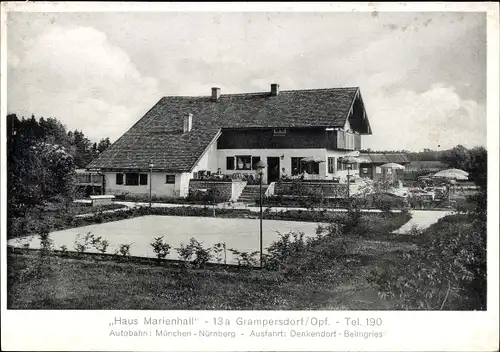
<point x="287" y="248"/>
<point x="194" y="250"/>
<point x="447" y="271"/>
<point x="64" y="250"/>
<point x="296" y="256"/>
<point x="219" y="250"/>
<point x="160" y="248"/>
<point x="245" y="260"/>
<point x="46" y="244"/>
<point x="82" y="247"/>
<point x="99" y="244"/>
<point x="123" y="250"/>
<point x="211" y="196"/>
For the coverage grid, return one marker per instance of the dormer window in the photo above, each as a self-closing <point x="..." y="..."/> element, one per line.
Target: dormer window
<point x="279" y="132"/>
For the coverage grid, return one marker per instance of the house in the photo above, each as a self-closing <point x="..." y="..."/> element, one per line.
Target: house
<point x="372" y="169"/>
<point x="184" y="138"/>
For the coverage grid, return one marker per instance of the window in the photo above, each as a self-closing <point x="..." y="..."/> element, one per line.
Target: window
<point x="378" y="170"/>
<point x="119" y="179"/>
<point x="132" y="179"/>
<point x="230" y="163"/>
<point x="255" y="160"/>
<point x="311" y="168"/>
<point x="143" y="179"/>
<point x="243" y="162"/>
<point x="365" y="170"/>
<point x="331" y="165"/>
<point x="296" y="166"/>
<point x="340" y="165"/>
<point x="279" y="132"/>
<point x="170" y="179"/>
<point x="389" y="171"/>
<point x="299" y="167"/>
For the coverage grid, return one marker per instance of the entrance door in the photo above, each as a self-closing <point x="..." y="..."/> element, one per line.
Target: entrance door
<point x="273" y="169"/>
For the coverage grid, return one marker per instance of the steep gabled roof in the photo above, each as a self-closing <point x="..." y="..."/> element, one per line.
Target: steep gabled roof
<point x="158" y="135"/>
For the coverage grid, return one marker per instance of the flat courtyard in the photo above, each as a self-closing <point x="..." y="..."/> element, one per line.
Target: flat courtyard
<point x="239" y="234"/>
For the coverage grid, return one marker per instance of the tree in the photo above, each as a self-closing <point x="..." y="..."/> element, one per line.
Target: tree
<point x="447" y="270"/>
<point x="475" y="162"/>
<point x="41" y="158"/>
<point x="104" y="144"/>
<point x="37" y="170"/>
<point x="83" y="149"/>
<point x="457" y="158"/>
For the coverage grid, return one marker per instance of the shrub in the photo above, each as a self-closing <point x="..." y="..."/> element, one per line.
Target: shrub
<point x="219" y="250"/>
<point x="414" y="231"/>
<point x="64" y="250"/>
<point x="82" y="247"/>
<point x="194" y="250"/>
<point x="99" y="244"/>
<point x="447" y="271"/>
<point x="211" y="196"/>
<point x="91" y="240"/>
<point x="297" y="256"/>
<point x="245" y="260"/>
<point x="286" y="249"/>
<point x="46" y="244"/>
<point x="185" y="253"/>
<point x="160" y="248"/>
<point x="124" y="250"/>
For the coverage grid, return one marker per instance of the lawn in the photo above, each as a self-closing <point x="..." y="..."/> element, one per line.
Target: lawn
<point x="64" y="283"/>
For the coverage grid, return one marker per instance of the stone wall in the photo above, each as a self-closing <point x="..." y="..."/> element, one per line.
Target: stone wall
<point x="228" y="189"/>
<point x="305" y="188"/>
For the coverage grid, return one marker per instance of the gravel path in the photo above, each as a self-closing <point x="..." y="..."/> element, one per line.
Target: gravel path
<point x="422" y="219"/>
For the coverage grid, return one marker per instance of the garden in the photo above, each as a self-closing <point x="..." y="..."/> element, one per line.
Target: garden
<point x="352" y="261"/>
<point x="294" y="264"/>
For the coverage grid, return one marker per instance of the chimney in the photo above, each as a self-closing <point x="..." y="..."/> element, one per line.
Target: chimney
<point x="275" y="89"/>
<point x="188" y="123"/>
<point x="215" y="93"/>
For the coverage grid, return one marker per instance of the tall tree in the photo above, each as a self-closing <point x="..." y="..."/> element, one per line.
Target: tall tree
<point x="37" y="171"/>
<point x="42" y="156"/>
<point x="104" y="144"/>
<point x="83" y="149"/>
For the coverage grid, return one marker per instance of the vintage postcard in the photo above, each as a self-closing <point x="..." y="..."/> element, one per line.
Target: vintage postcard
<point x="249" y="176"/>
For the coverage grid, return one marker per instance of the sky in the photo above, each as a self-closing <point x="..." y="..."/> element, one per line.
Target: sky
<point x="422" y="76"/>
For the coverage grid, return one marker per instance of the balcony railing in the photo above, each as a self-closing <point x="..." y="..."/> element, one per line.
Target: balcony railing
<point x="347" y="141"/>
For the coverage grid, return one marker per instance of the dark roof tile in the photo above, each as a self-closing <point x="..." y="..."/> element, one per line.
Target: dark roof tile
<point x="158" y="135"/>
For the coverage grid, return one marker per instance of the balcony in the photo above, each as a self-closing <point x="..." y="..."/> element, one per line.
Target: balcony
<point x="345" y="141"/>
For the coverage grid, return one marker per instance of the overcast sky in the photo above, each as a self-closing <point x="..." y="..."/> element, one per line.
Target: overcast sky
<point x="422" y="75"/>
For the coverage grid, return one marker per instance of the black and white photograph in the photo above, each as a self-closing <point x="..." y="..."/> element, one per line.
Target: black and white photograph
<point x="249" y="161"/>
